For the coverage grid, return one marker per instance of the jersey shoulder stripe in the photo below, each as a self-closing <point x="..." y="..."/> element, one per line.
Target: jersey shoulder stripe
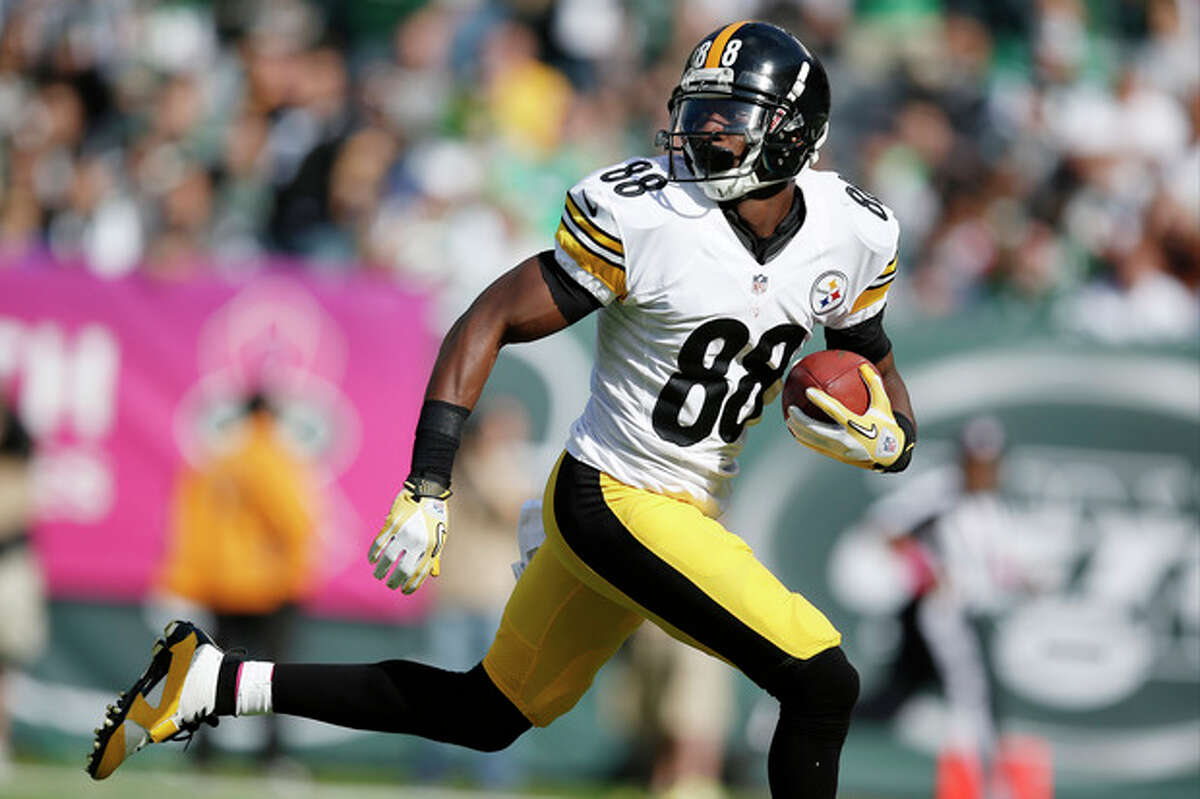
<point x="570" y="228"/>
<point x="607" y="241"/>
<point x="878" y="288"/>
<point x="888" y="274"/>
<point x="591" y="258"/>
<point x="598" y="211"/>
<point x="589" y="242"/>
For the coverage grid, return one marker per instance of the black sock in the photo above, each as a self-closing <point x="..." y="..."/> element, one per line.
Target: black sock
<point x="463" y="708"/>
<point x="226" y="704"/>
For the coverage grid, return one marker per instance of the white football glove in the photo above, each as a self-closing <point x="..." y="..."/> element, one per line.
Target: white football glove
<point x="871" y="440"/>
<point x="412" y="536"/>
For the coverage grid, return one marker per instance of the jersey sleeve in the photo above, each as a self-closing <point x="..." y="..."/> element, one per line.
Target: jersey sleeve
<point x="871" y="300"/>
<point x="588" y="243"/>
<point x="874" y="236"/>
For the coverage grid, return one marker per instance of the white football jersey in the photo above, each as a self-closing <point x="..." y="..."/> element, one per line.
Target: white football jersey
<point x="696" y="335"/>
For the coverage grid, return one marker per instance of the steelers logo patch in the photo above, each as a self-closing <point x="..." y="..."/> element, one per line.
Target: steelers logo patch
<point x="828" y="292"/>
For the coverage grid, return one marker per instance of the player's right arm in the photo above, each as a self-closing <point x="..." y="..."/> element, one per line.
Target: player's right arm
<point x="539" y="296"/>
<point x="530" y="301"/>
<point x="519" y="306"/>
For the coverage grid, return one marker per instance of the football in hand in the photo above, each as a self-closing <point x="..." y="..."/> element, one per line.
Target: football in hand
<point x="833" y="371"/>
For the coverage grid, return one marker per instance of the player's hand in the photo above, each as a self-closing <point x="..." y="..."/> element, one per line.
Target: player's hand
<point x="870" y="440"/>
<point x="412" y="536"/>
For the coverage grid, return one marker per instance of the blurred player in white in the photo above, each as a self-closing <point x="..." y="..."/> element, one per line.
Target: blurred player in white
<point x="709" y="267"/>
<point x="953" y="534"/>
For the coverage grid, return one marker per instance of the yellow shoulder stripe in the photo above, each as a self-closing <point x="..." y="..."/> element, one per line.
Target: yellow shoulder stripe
<point x="718" y="45"/>
<point x="599" y="236"/>
<point x="611" y="276"/>
<point x="870" y="297"/>
<point x="886" y="276"/>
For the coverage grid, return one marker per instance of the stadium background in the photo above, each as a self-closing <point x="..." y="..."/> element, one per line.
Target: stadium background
<point x="195" y="192"/>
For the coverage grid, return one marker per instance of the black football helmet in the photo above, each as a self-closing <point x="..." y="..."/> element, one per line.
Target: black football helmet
<point x="751" y="109"/>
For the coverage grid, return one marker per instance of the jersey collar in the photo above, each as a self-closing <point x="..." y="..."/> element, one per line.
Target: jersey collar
<point x="764" y="249"/>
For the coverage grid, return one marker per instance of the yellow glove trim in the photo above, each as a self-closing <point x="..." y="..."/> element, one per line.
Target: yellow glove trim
<point x="876" y="429"/>
<point x="385" y="551"/>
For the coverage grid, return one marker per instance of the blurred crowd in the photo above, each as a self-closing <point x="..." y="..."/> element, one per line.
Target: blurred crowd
<point x="1043" y="151"/>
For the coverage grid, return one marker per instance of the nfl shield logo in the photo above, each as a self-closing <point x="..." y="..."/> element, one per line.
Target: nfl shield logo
<point x="759" y="285"/>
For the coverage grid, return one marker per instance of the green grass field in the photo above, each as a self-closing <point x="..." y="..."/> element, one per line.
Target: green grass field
<point x="61" y="782"/>
<point x="29" y="781"/>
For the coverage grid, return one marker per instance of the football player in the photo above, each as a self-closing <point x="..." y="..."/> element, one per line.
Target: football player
<point x="709" y="267"/>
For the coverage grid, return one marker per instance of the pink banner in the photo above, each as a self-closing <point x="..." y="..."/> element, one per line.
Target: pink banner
<point x="122" y="382"/>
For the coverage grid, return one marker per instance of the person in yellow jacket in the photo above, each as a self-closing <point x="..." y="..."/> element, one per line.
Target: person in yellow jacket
<point x="242" y="534"/>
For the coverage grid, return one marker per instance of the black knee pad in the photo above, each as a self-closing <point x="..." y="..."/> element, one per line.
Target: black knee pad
<point x="815" y="700"/>
<point x="825" y="685"/>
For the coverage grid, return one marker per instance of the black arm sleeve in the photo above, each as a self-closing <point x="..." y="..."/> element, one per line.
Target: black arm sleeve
<point x="439" y="431"/>
<point x="910" y="441"/>
<point x="866" y="339"/>
<point x="573" y="300"/>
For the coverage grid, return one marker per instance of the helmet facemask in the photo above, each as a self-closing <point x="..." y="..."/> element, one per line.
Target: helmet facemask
<point x="720" y="139"/>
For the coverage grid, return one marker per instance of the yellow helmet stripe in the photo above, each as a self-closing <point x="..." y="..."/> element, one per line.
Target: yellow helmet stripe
<point x="718" y="45"/>
<point x="599" y="236"/>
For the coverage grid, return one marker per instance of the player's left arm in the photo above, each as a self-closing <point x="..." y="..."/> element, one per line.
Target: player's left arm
<point x="882" y="437"/>
<point x="869" y="339"/>
<point x="897" y="391"/>
<point x="902" y="410"/>
<point x="858" y="327"/>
